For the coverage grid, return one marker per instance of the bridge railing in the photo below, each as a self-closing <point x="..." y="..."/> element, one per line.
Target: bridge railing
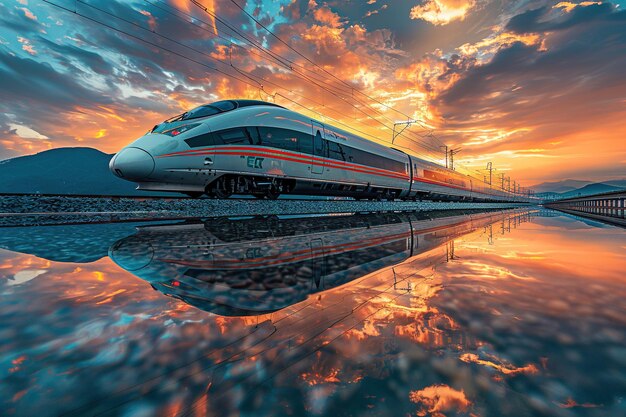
<point x="608" y="205"/>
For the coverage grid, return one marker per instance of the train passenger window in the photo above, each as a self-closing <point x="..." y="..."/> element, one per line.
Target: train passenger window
<point x="206" y="139"/>
<point x="232" y="136"/>
<point x="306" y="143"/>
<point x="335" y="151"/>
<point x="360" y="157"/>
<point x="279" y="138"/>
<point x="254" y="135"/>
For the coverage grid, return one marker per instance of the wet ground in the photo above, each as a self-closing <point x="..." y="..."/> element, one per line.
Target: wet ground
<point x="517" y="313"/>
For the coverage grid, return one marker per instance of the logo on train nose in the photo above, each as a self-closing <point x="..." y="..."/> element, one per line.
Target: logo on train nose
<point x="255" y="162"/>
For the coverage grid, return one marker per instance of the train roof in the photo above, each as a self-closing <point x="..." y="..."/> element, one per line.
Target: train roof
<point x="217" y="107"/>
<point x="248" y="103"/>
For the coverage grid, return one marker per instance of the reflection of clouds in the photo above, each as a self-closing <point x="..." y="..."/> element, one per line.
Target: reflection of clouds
<point x="485" y="271"/>
<point x="26" y="275"/>
<point x="505" y="368"/>
<point x="433" y="337"/>
<point x="437" y="399"/>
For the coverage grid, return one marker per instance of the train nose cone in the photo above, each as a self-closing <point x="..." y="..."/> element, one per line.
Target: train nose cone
<point x="132" y="164"/>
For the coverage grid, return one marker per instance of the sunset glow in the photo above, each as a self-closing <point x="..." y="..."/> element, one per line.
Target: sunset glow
<point x="537" y="90"/>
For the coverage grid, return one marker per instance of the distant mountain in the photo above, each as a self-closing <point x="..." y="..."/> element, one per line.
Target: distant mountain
<point x="616" y="183"/>
<point x="591" y="189"/>
<point x="77" y="171"/>
<point x="559" y="186"/>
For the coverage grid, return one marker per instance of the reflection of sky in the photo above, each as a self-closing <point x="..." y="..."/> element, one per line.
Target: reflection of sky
<point x="531" y="324"/>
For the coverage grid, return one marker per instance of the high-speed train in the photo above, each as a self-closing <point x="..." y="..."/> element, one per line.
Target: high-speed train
<point x="259" y="148"/>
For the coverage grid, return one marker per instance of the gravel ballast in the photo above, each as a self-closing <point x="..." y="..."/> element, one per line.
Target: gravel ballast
<point x="24" y="210"/>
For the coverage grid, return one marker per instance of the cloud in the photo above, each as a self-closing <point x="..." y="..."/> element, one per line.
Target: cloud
<point x="436" y="399"/>
<point x="376" y="11"/>
<point x="575" y="69"/>
<point x="25" y="132"/>
<point x="545" y="19"/>
<point x="442" y="12"/>
<point x="527" y="84"/>
<point x="569" y="6"/>
<point x="542" y="87"/>
<point x="18" y="22"/>
<point x="28" y="14"/>
<point x="327" y="17"/>
<point x="26" y="45"/>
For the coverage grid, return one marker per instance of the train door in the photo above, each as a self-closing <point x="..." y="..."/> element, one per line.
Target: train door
<point x="411" y="178"/>
<point x="317" y="167"/>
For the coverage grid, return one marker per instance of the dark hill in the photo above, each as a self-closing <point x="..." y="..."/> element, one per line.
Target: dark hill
<point x="559" y="186"/>
<point x="76" y="171"/>
<point x="591" y="189"/>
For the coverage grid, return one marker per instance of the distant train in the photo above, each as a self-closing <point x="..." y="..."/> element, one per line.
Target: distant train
<point x="265" y="150"/>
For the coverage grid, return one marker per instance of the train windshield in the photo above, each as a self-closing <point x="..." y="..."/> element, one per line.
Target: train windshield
<point x="209" y="110"/>
<point x="202" y="111"/>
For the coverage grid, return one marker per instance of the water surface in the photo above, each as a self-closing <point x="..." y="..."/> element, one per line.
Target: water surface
<point x="518" y="313"/>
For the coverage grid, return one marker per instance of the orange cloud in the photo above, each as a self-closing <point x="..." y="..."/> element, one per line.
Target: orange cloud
<point x="505" y="368"/>
<point x="30" y="15"/>
<point x="442" y="12"/>
<point x="491" y="44"/>
<point x="569" y="6"/>
<point x="436" y="399"/>
<point x="26" y="45"/>
<point x="512" y="96"/>
<point x="328" y="17"/>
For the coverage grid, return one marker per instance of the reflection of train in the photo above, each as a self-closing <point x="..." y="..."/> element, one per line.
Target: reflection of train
<point x="252" y="147"/>
<point x="256" y="265"/>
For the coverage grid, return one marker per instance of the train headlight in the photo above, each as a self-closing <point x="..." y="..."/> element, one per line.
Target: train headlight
<point x="180" y="129"/>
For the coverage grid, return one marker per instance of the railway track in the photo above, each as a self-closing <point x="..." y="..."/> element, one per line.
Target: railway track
<point x="244" y="198"/>
<point x="39" y="209"/>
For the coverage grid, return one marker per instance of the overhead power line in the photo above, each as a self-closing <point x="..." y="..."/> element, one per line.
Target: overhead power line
<point x="250" y="77"/>
<point x="353" y="88"/>
<point x="257" y="81"/>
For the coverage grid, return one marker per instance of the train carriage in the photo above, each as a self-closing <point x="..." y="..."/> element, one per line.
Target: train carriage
<point x="258" y="148"/>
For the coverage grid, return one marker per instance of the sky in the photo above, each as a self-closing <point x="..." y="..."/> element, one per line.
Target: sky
<point x="537" y="88"/>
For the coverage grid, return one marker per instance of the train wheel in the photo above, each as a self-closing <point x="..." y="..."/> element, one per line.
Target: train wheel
<point x="196" y="194"/>
<point x="272" y="193"/>
<point x="260" y="196"/>
<point x="220" y="188"/>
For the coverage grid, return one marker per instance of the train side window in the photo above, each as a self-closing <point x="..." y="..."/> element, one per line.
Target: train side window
<point x="232" y="136"/>
<point x="349" y="154"/>
<point x="360" y="157"/>
<point x="254" y="135"/>
<point x="206" y="139"/>
<point x="335" y="151"/>
<point x="306" y="142"/>
<point x="279" y="138"/>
